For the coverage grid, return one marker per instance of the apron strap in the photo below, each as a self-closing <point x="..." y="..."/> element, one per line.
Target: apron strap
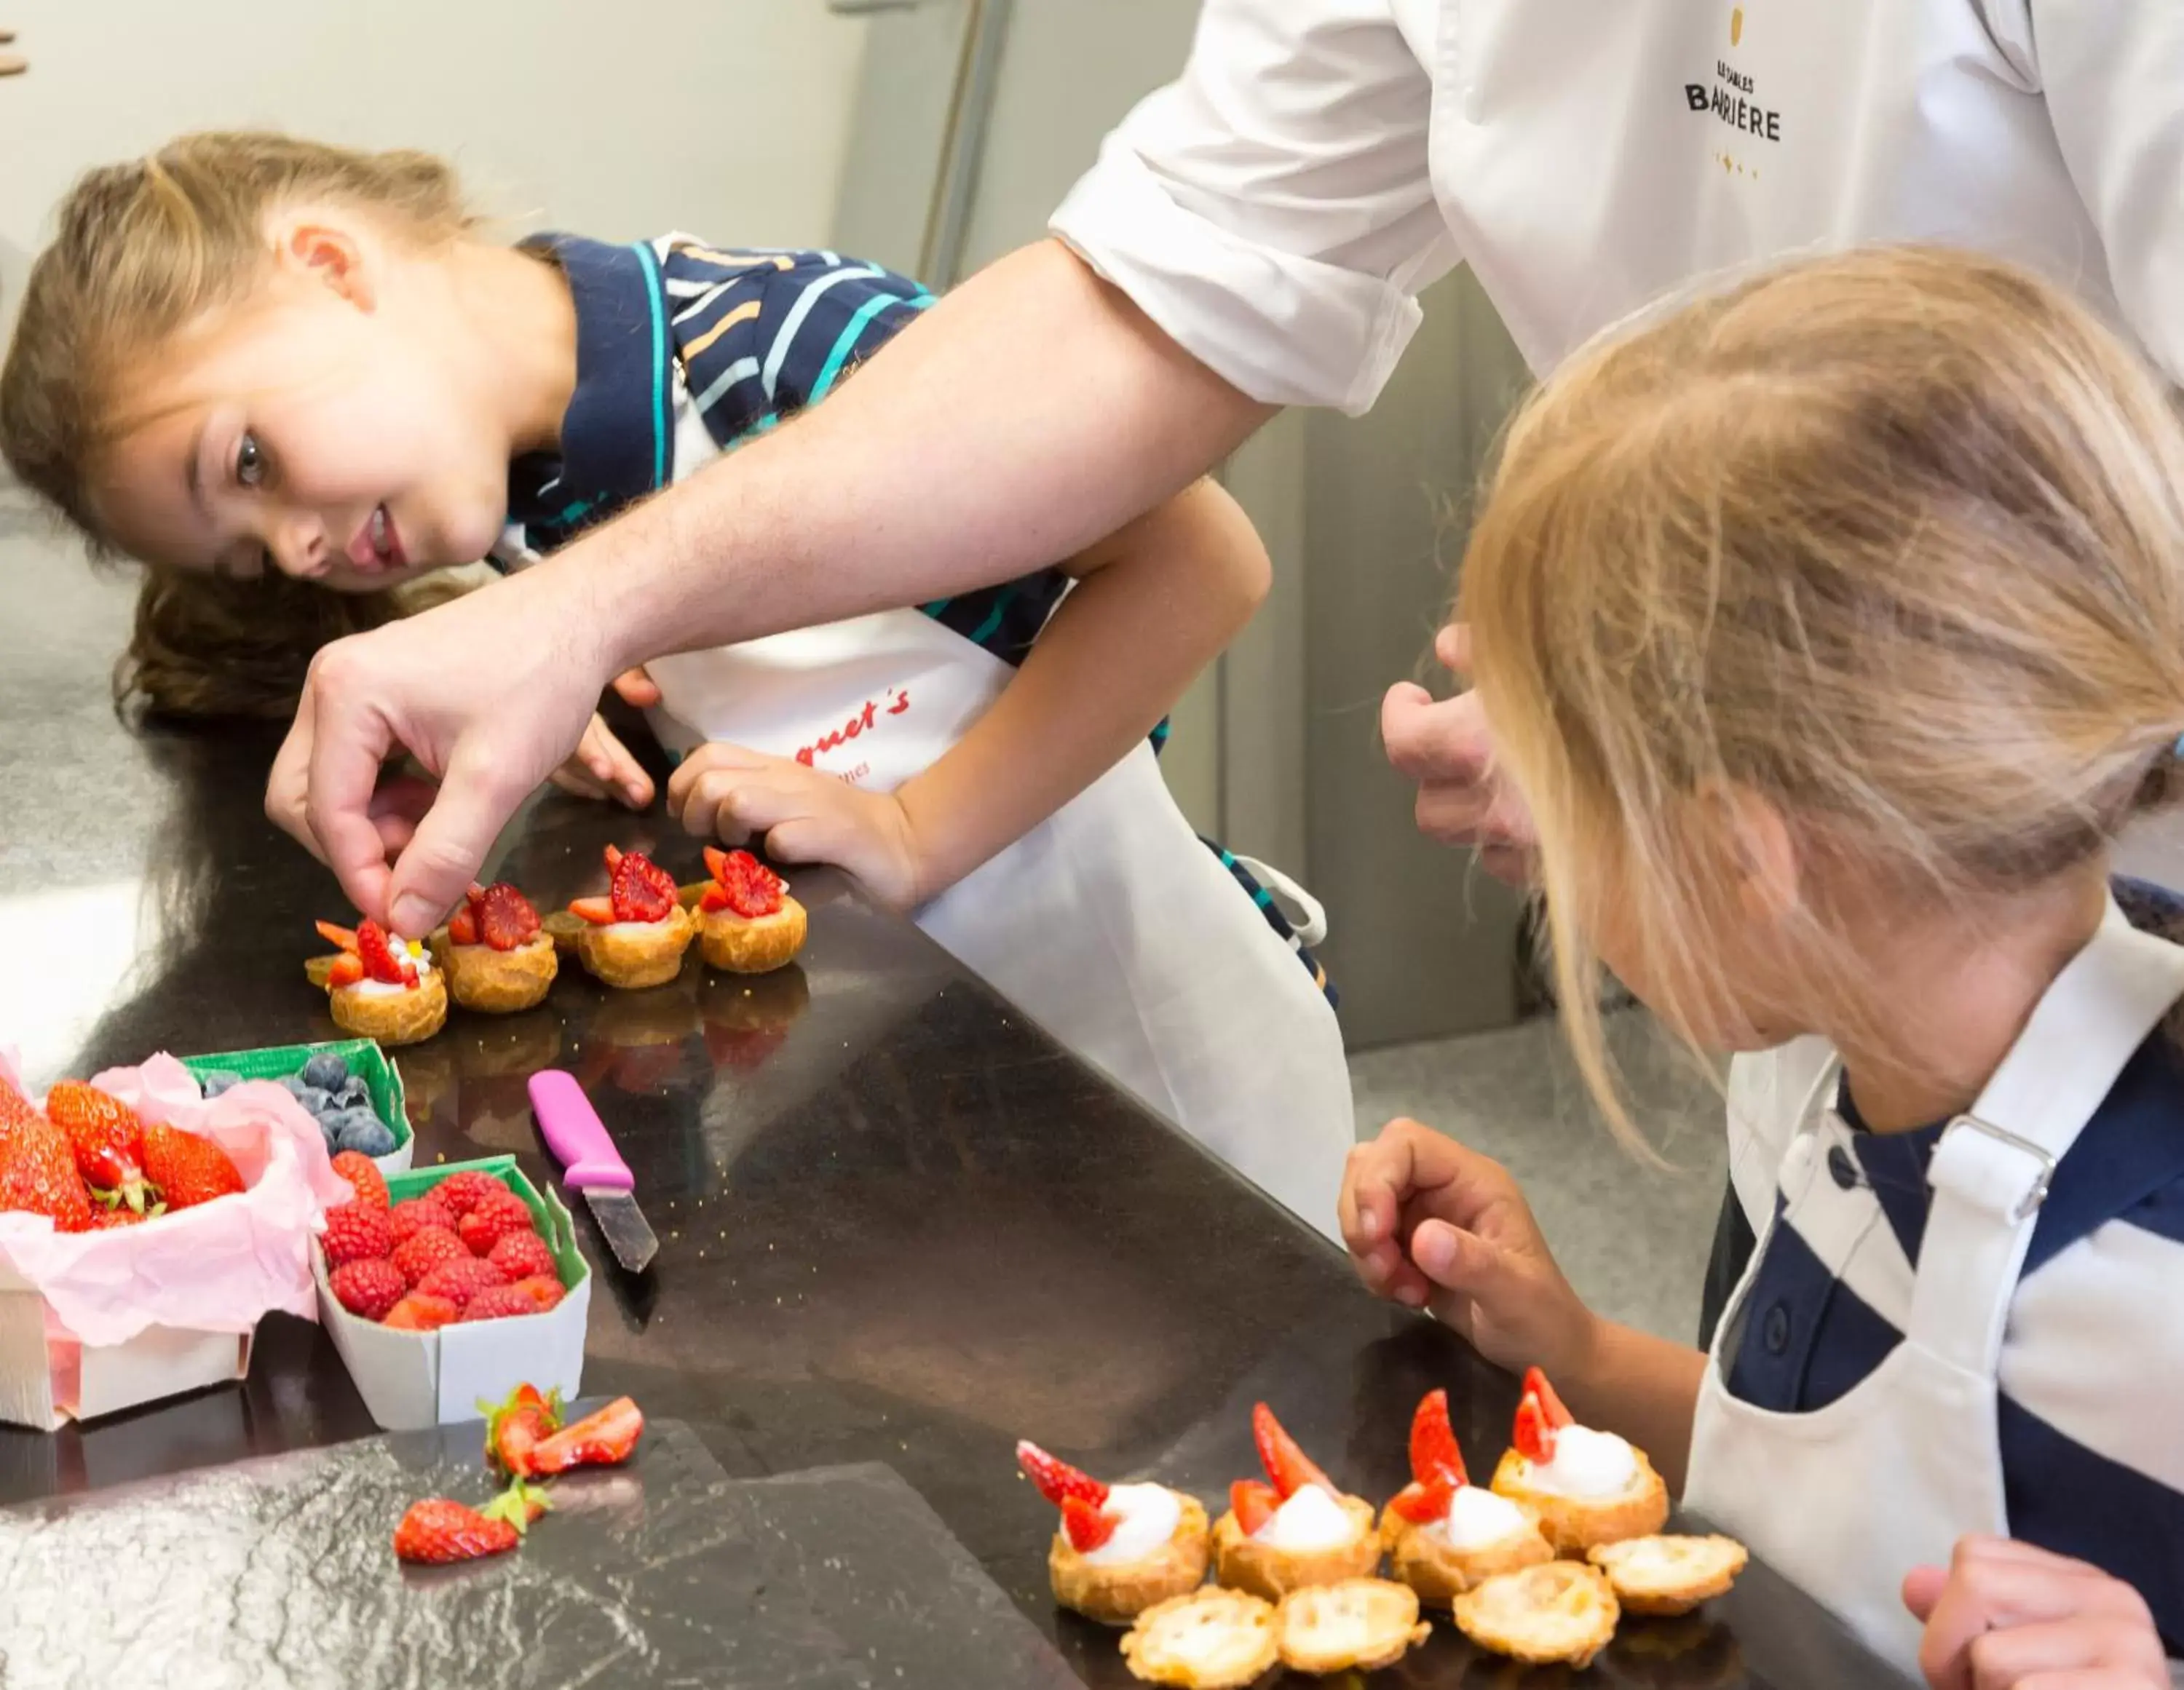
<point x="1990" y="1170"/>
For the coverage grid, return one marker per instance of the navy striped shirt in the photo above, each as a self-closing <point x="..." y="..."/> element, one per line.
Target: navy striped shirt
<point x="2091" y="1406"/>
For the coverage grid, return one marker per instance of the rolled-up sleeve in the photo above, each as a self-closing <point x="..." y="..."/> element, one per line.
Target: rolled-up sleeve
<point x="1273" y="210"/>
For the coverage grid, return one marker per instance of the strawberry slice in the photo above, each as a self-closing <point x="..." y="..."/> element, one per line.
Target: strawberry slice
<point x="505" y="918"/>
<point x="598" y="911"/>
<point x="1535" y="1385"/>
<point x="462" y="927"/>
<point x="642" y="890"/>
<point x="1088" y="1524"/>
<point x="348" y="969"/>
<point x="1288" y="1466"/>
<point x="716" y="862"/>
<point x="1253" y="1502"/>
<point x="341" y="939"/>
<point x="1422" y="1504"/>
<point x="614" y="857"/>
<point x="713" y="899"/>
<point x="1533" y="1437"/>
<point x="1434" y="1457"/>
<point x="382" y="961"/>
<point x="1057" y="1480"/>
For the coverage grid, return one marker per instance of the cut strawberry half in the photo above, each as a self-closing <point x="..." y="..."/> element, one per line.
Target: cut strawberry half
<point x="1057" y="1480"/>
<point x="505" y="918"/>
<point x="1540" y="1416"/>
<point x="1290" y="1468"/>
<point x="348" y="969"/>
<point x="1435" y="1457"/>
<point x="598" y="911"/>
<point x="642" y="891"/>
<point x="341" y="939"/>
<point x="382" y="960"/>
<point x="713" y="899"/>
<point x="1253" y="1502"/>
<point x="745" y="884"/>
<point x="1088" y="1524"/>
<point x="1422" y="1504"/>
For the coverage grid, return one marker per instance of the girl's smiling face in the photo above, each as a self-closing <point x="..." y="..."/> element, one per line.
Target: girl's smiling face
<point x="338" y="424"/>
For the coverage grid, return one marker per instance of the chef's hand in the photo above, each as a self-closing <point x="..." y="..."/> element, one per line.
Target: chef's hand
<point x="489" y="711"/>
<point x="1447" y="747"/>
<point x="1433" y="1225"/>
<point x="726" y="793"/>
<point x="2007" y="1614"/>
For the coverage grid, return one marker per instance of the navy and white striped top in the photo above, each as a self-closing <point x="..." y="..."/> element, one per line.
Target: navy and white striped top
<point x="2091" y="1408"/>
<point x="754" y="336"/>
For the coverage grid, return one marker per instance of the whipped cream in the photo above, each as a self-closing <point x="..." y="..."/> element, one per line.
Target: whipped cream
<point x="628" y="930"/>
<point x="1587" y="1464"/>
<point x="1477" y="1517"/>
<point x="420" y="959"/>
<point x="1147" y="1516"/>
<point x="1312" y="1519"/>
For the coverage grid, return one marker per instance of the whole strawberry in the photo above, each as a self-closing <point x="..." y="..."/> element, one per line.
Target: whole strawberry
<point x="369" y="1288"/>
<point x="493" y="1219"/>
<point x="430" y="1247"/>
<point x="461" y="1279"/>
<point x="413" y="1215"/>
<point x="522" y="1256"/>
<point x="418" y="1313"/>
<point x="37" y="1173"/>
<point x="105" y="1220"/>
<point x="364" y="1177"/>
<point x="107" y="1140"/>
<point x="14" y="1106"/>
<point x="355" y="1231"/>
<point x="188" y="1170"/>
<point x="460" y="1194"/>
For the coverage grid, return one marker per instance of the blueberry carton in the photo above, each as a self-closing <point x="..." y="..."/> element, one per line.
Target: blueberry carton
<point x="366" y="1086"/>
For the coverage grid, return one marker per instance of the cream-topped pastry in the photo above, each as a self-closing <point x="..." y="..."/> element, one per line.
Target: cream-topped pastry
<point x="1444" y="1534"/>
<point x="497" y="957"/>
<point x="635" y="934"/>
<point x="1120" y="1549"/>
<point x="1295" y="1530"/>
<point x="380" y="985"/>
<point x="1587" y="1487"/>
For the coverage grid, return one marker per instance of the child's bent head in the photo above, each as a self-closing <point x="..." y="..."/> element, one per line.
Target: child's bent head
<point x="236" y="357"/>
<point x="1849" y="598"/>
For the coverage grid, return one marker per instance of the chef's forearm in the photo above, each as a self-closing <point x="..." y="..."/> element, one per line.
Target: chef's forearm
<point x="1030" y="412"/>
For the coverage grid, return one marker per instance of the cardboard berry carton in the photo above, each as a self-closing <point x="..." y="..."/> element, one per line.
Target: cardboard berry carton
<point x="414" y="1379"/>
<point x="363" y="1057"/>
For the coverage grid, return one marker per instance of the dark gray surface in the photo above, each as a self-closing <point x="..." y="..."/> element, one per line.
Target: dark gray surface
<point x="276" y="1574"/>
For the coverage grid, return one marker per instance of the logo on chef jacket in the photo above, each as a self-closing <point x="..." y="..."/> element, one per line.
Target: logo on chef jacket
<point x="895" y="703"/>
<point x="1731" y="96"/>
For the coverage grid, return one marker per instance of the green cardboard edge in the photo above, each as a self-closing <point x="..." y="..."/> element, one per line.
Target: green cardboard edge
<point x="382" y="1080"/>
<point x="550" y="1214"/>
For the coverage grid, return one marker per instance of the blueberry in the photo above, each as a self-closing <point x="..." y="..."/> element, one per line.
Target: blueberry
<point x="219" y="1080"/>
<point x="354" y="1093"/>
<point x="325" y="1071"/>
<point x="313" y="1099"/>
<point x="293" y="1083"/>
<point x="365" y="1132"/>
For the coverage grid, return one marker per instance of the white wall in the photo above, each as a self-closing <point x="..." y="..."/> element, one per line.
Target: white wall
<point x="728" y="117"/>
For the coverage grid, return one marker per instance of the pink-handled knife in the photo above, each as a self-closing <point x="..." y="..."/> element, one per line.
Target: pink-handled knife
<point x="591" y="1165"/>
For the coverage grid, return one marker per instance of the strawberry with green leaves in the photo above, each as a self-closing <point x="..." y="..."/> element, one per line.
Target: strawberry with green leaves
<point x="108" y="1141"/>
<point x="438" y="1531"/>
<point x="516" y="1426"/>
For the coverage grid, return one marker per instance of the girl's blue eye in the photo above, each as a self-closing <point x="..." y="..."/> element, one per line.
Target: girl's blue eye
<point x="249" y="461"/>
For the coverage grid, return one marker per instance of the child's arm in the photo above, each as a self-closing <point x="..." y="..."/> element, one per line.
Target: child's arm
<point x="1153" y="604"/>
<point x="1435" y="1226"/>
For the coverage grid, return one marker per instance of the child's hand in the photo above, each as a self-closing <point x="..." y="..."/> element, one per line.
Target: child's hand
<point x="725" y="792"/>
<point x="1435" y="1226"/>
<point x="2006" y="1614"/>
<point x="603" y="768"/>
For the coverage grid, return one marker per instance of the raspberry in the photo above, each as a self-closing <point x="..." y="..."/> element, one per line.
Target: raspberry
<point x="356" y="1231"/>
<point x="641" y="890"/>
<point x="522" y="1256"/>
<point x="418" y="1313"/>
<point x="497" y="1302"/>
<point x="541" y="1289"/>
<point x="364" y="1177"/>
<point x="460" y="1280"/>
<point x="495" y="1218"/>
<point x="461" y="1192"/>
<point x="430" y="1247"/>
<point x="414" y="1213"/>
<point x="369" y="1288"/>
<point x="505" y="918"/>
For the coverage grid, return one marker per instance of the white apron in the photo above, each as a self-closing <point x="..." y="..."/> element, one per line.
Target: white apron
<point x="1111" y="924"/>
<point x="1845" y="1499"/>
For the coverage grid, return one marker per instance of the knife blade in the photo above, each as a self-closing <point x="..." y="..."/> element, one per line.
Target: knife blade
<point x="592" y="1167"/>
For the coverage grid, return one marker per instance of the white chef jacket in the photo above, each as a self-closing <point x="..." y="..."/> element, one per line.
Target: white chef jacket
<point x="1277" y="208"/>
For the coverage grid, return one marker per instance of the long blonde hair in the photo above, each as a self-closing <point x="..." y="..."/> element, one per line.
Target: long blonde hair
<point x="141" y="250"/>
<point x="1892" y="539"/>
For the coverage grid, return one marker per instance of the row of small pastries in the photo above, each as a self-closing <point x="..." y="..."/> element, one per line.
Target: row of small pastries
<point x="1297" y="1561"/>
